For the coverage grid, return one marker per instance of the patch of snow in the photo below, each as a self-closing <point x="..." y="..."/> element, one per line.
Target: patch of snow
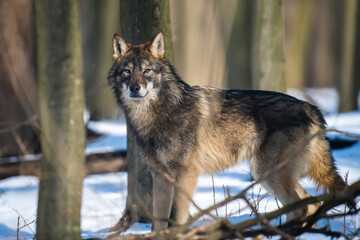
<point x="108" y="143"/>
<point x="114" y="138"/>
<point x="325" y="98"/>
<point x="108" y="127"/>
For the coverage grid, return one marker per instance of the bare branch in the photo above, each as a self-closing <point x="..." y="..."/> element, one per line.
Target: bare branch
<point x="32" y="121"/>
<point x="222" y="228"/>
<point x="347" y="134"/>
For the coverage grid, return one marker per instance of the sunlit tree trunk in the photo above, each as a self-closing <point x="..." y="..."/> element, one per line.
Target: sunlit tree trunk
<point x="61" y="106"/>
<point x="200" y="41"/>
<point x="300" y="18"/>
<point x="350" y="82"/>
<point x="268" y="61"/>
<point x="140" y="21"/>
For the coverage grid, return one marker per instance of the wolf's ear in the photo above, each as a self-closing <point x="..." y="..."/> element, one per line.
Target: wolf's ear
<point x="120" y="47"/>
<point x="157" y="47"/>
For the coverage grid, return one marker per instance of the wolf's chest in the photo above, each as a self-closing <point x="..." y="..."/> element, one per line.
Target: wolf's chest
<point x="167" y="145"/>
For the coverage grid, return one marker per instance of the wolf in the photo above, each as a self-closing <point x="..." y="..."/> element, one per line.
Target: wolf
<point x="184" y="131"/>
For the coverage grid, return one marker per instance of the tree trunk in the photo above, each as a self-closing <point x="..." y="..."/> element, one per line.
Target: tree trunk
<point x="300" y="18"/>
<point x="140" y="21"/>
<point x="349" y="85"/>
<point x="18" y="86"/>
<point x="268" y="61"/>
<point x="99" y="21"/>
<point x="238" y="51"/>
<point x="61" y="106"/>
<point x="200" y="40"/>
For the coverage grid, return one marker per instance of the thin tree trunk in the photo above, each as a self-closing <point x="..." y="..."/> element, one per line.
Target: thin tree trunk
<point x="349" y="87"/>
<point x="100" y="19"/>
<point x="61" y="105"/>
<point x="268" y="61"/>
<point x="140" y="21"/>
<point x="300" y="16"/>
<point x="238" y="54"/>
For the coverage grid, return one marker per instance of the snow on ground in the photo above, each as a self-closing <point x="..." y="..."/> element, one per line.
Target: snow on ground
<point x="104" y="195"/>
<point x="114" y="138"/>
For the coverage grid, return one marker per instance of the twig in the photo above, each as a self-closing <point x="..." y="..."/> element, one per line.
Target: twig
<point x="277" y="203"/>
<point x="213" y="185"/>
<point x="25" y="223"/>
<point x="18" y="228"/>
<point x="225" y="198"/>
<point x="346" y="183"/>
<point x="265" y="222"/>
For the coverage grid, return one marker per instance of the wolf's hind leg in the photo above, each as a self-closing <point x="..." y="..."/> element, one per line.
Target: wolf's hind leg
<point x="280" y="183"/>
<point x="284" y="189"/>
<point x="186" y="180"/>
<point x="304" y="194"/>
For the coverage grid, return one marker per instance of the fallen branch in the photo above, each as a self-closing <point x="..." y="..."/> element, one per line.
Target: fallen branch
<point x="95" y="164"/>
<point x="222" y="228"/>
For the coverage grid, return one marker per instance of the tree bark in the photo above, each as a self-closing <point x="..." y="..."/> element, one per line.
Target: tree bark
<point x="61" y="106"/>
<point x="268" y="61"/>
<point x="140" y="21"/>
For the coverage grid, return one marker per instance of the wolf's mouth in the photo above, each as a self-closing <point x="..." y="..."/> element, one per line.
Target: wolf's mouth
<point x="137" y="96"/>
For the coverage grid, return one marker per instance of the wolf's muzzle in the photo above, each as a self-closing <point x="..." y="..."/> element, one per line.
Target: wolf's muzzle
<point x="135" y="91"/>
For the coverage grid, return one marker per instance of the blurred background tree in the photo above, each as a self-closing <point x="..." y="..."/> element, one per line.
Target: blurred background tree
<point x="61" y="108"/>
<point x="300" y="16"/>
<point x="238" y="49"/>
<point x="268" y="60"/>
<point x="350" y="57"/>
<point x="99" y="21"/>
<point x="18" y="85"/>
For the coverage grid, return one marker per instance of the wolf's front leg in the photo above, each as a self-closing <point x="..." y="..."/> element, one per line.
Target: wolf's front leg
<point x="163" y="192"/>
<point x="186" y="184"/>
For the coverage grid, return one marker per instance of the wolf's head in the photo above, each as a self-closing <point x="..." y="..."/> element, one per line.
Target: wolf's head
<point x="138" y="70"/>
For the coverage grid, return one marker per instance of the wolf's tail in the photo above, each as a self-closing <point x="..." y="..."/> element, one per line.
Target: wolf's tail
<point x="323" y="170"/>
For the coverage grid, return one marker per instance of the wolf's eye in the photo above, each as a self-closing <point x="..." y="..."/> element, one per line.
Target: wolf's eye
<point x="147" y="70"/>
<point x="127" y="71"/>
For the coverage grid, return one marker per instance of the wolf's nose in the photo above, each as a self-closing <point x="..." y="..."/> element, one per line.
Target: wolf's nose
<point x="135" y="88"/>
